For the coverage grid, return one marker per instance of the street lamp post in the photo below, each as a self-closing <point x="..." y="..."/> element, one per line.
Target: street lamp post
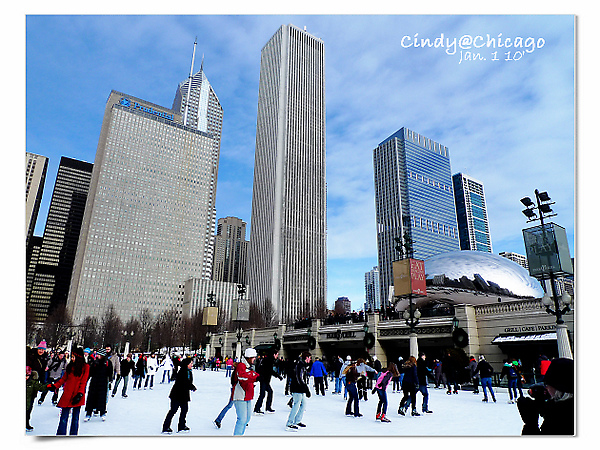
<point x="544" y="211"/>
<point x="412" y="316"/>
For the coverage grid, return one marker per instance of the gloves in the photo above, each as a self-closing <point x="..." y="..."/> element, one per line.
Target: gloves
<point x="51" y="387"/>
<point x="308" y="394"/>
<point x="528" y="410"/>
<point x="76" y="399"/>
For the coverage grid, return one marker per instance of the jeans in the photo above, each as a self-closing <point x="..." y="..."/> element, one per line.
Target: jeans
<point x="352" y="399"/>
<point x="298" y="406"/>
<point x="137" y="381"/>
<point x="175" y="405"/>
<point x="166" y="373"/>
<point x="221" y="415"/>
<point x="345" y="387"/>
<point x="338" y="385"/>
<point x="125" y="383"/>
<point x="487" y="383"/>
<point x="64" y="418"/>
<point x="512" y="387"/>
<point x="243" y="409"/>
<point x="264" y="388"/>
<point x="228" y="370"/>
<point x="423" y="390"/>
<point x="382" y="405"/>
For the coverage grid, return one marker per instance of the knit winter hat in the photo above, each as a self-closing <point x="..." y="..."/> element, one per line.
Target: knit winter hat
<point x="87" y="350"/>
<point x="78" y="351"/>
<point x="42" y="345"/>
<point x="250" y="353"/>
<point x="101" y="352"/>
<point x="561" y="375"/>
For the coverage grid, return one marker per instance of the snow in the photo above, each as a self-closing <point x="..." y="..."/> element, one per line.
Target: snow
<point x="143" y="412"/>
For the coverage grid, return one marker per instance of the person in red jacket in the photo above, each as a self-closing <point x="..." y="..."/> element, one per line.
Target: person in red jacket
<point x="73" y="397"/>
<point x="242" y="391"/>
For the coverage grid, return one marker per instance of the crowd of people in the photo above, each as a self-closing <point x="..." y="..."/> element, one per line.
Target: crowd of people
<point x="87" y="377"/>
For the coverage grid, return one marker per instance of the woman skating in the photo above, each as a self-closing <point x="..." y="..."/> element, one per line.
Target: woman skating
<point x="180" y="397"/>
<point x="73" y="382"/>
<point x="410" y="382"/>
<point x="380" y="387"/>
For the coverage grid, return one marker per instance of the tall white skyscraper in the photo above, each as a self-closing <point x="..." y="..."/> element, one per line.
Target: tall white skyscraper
<point x="200" y="109"/>
<point x="287" y="270"/>
<point x="471" y="214"/>
<point x="372" y="290"/>
<point x="148" y="215"/>
<point x="36" y="167"/>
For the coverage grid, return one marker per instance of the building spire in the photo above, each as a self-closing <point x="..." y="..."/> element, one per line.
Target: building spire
<point x="187" y="99"/>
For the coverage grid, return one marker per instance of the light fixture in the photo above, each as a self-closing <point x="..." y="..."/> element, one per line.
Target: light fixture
<point x="526" y="201"/>
<point x="545" y="208"/>
<point x="546" y="300"/>
<point x="529" y="213"/>
<point x="543" y="196"/>
<point x="406" y="314"/>
<point x="566" y="298"/>
<point x="417" y="314"/>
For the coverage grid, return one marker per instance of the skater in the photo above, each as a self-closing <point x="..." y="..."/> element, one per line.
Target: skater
<point x="180" y="397"/>
<point x="449" y="373"/>
<point x="127" y="367"/>
<point x="423" y="371"/>
<point x="554" y="401"/>
<point x="56" y="369"/>
<point x="140" y="371"/>
<point x="228" y="366"/>
<point x="337" y="366"/>
<point x="151" y="367"/>
<point x="509" y="371"/>
<point x="167" y="366"/>
<point x="343" y="375"/>
<point x="380" y="387"/>
<point x="32" y="386"/>
<point x="73" y="382"/>
<point x="318" y="372"/>
<point x="266" y="369"/>
<point x="474" y="375"/>
<point x="520" y="378"/>
<point x="437" y="373"/>
<point x="100" y="375"/>
<point x="410" y="382"/>
<point x="242" y="393"/>
<point x="114" y="359"/>
<point x="485" y="370"/>
<point x="300" y="392"/>
<point x="37" y="359"/>
<point x="362" y="368"/>
<point x="351" y="375"/>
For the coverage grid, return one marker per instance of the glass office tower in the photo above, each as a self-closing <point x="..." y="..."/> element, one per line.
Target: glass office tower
<point x="287" y="272"/>
<point x="471" y="214"/>
<point x="413" y="196"/>
<point x="148" y="215"/>
<point x="52" y="273"/>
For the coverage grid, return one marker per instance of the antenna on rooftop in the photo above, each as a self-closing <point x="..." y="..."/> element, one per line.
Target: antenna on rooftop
<point x="187" y="99"/>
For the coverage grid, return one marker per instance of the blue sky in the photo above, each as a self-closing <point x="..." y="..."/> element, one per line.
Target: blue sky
<point x="508" y="123"/>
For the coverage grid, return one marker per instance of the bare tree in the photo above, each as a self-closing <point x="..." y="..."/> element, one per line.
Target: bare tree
<point x="167" y="330"/>
<point x="57" y="327"/>
<point x="146" y="323"/>
<point x="111" y="327"/>
<point x="133" y="333"/>
<point x="89" y="331"/>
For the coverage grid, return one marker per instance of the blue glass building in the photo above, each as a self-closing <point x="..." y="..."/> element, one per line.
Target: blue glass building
<point x="471" y="214"/>
<point x="414" y="196"/>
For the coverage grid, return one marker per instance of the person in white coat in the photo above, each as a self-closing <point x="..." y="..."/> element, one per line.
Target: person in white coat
<point x="152" y="367"/>
<point x="167" y="366"/>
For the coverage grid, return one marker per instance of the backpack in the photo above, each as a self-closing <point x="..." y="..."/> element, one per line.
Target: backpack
<point x="380" y="379"/>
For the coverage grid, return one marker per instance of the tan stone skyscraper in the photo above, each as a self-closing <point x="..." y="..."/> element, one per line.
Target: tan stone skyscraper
<point x="287" y="263"/>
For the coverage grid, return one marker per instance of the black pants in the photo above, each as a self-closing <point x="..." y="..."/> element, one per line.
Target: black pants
<point x="175" y="405"/>
<point x="319" y="387"/>
<point x="362" y="388"/>
<point x="410" y="393"/>
<point x="54" y="396"/>
<point x="264" y="388"/>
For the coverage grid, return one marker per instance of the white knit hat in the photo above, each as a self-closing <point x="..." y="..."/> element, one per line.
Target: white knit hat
<point x="250" y="353"/>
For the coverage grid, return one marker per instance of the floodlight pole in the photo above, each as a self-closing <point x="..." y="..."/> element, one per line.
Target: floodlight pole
<point x="562" y="336"/>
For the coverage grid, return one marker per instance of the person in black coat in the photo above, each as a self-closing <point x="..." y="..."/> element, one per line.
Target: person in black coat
<point x="266" y="369"/>
<point x="449" y="371"/>
<point x="410" y="384"/>
<point x="180" y="396"/>
<point x="101" y="372"/>
<point x="554" y="401"/>
<point x="140" y="371"/>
